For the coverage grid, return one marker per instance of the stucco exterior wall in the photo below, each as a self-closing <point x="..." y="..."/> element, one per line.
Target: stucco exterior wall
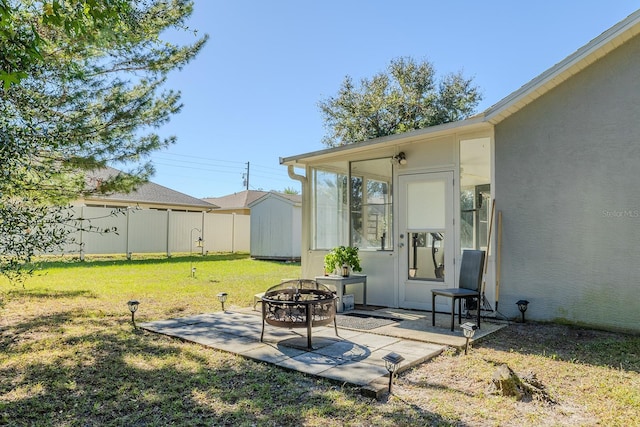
<point x="567" y="171"/>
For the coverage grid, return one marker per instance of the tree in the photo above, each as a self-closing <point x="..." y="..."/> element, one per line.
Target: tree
<point x="22" y="39"/>
<point x="82" y="88"/>
<point x="405" y="97"/>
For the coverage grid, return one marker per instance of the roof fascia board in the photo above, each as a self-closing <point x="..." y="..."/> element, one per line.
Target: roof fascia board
<point x="397" y="139"/>
<point x="276" y="196"/>
<point x="148" y="202"/>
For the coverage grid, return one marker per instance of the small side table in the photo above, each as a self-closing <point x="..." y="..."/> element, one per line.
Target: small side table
<point x="340" y="284"/>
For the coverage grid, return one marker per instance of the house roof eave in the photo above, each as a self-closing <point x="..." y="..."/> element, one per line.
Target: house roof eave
<point x="279" y="196"/>
<point x="472" y="123"/>
<point x="131" y="202"/>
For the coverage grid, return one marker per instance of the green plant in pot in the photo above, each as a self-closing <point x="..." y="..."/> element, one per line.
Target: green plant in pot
<point x="340" y="257"/>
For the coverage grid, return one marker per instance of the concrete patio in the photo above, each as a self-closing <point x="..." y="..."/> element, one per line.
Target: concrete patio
<point x="353" y="357"/>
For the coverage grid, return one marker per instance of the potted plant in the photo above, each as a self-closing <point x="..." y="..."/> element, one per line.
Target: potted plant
<point x="342" y="259"/>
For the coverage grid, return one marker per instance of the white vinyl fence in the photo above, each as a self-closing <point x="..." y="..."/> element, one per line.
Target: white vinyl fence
<point x="131" y="231"/>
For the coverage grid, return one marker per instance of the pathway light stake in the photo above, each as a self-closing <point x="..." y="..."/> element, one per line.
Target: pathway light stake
<point x="222" y="297"/>
<point x="133" y="307"/>
<point x="469" y="330"/>
<point x="391" y="362"/>
<point x="522" y="306"/>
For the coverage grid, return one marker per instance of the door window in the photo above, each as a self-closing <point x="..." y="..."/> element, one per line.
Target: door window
<point x="426" y="227"/>
<point x="426" y="256"/>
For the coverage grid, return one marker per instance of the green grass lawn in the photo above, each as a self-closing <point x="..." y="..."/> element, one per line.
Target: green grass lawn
<point x="164" y="286"/>
<point x="69" y="356"/>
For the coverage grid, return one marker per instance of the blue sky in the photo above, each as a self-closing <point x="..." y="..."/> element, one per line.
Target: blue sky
<point x="252" y="93"/>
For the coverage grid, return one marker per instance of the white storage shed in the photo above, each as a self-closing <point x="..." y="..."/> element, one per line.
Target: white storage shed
<point x="276" y="227"/>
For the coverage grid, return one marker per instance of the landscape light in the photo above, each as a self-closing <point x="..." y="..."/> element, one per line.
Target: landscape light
<point x="522" y="306"/>
<point x="222" y="297"/>
<point x="469" y="330"/>
<point x="133" y="307"/>
<point x="391" y="362"/>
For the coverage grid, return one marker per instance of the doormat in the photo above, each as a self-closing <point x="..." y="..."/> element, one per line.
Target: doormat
<point x="369" y="307"/>
<point x="363" y="321"/>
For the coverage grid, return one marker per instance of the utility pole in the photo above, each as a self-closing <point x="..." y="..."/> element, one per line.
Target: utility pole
<point x="245" y="177"/>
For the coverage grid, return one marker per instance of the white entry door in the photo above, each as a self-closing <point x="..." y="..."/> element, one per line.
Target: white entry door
<point x="426" y="237"/>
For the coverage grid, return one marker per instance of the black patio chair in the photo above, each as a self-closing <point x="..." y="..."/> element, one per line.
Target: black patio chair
<point x="469" y="286"/>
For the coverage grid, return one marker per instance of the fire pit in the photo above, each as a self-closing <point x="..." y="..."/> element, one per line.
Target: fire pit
<point x="299" y="304"/>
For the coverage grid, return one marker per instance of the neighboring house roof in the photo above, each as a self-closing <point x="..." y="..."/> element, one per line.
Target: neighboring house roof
<point x="292" y="199"/>
<point x="149" y="193"/>
<point x="554" y="76"/>
<point x="239" y="200"/>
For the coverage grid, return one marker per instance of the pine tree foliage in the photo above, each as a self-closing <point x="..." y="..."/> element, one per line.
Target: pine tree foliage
<point x="82" y="87"/>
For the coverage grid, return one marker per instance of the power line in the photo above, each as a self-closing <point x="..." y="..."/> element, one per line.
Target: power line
<point x="194" y="165"/>
<point x="279" y="171"/>
<point x="268" y="167"/>
<point x="214" y="171"/>
<point x="228" y="167"/>
<point x="219" y="160"/>
<point x="196" y="168"/>
<point x="202" y="158"/>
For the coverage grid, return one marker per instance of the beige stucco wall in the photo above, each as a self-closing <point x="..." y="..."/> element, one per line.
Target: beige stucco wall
<point x="567" y="170"/>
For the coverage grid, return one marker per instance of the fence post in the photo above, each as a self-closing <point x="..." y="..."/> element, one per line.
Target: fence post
<point x="127" y="252"/>
<point x="81" y="233"/>
<point x="204" y="242"/>
<point x="168" y="233"/>
<point x="233" y="233"/>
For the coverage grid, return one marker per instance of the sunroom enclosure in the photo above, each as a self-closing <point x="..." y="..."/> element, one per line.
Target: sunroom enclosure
<point x="411" y="219"/>
<point x="352" y="205"/>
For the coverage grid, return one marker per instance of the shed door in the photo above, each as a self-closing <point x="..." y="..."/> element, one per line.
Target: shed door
<point x="426" y="237"/>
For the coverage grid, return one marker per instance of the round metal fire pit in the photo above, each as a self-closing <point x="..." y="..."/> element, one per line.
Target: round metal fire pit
<point x="299" y="303"/>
